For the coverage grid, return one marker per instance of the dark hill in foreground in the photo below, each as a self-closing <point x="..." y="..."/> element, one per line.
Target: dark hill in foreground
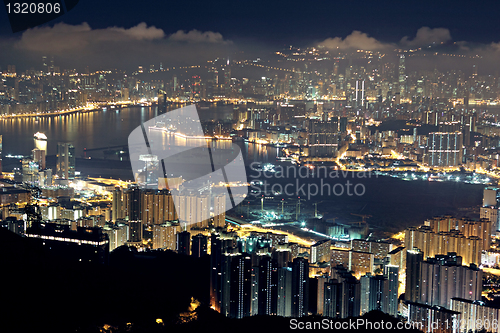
<point x="44" y="293"/>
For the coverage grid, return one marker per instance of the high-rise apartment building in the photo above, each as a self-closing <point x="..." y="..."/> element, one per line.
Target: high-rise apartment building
<point x="117" y="205"/>
<point x="437" y="280"/>
<point x="444" y="149"/>
<point x="300" y="287"/>
<point x="490" y="208"/>
<point x="38" y="156"/>
<point x="199" y="246"/>
<point x="240" y="286"/>
<point x="476" y="315"/>
<point x="65" y="160"/>
<point x="414" y="260"/>
<point x="433" y="318"/>
<point x="165" y="236"/>
<point x="320" y="251"/>
<point x="184" y="243"/>
<point x="268" y="287"/>
<point x="402" y="75"/>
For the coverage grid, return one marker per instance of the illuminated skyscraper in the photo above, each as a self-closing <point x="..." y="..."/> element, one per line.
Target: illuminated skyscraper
<point x="118" y="235"/>
<point x="320" y="251"/>
<point x="226" y="87"/>
<point x="220" y="272"/>
<point x="433" y="318"/>
<point x="268" y="287"/>
<point x="164" y="236"/>
<point x="1" y="154"/>
<point x="475" y="314"/>
<point x="193" y="208"/>
<point x="300" y="287"/>
<point x="444" y="277"/>
<point x="199" y="246"/>
<point x="132" y="204"/>
<point x="490" y="208"/>
<point x="444" y="149"/>
<point x="184" y="243"/>
<point x="240" y="286"/>
<point x="117" y="206"/>
<point x="359" y="96"/>
<point x="414" y="260"/>
<point x="39" y="157"/>
<point x="332" y="299"/>
<point x="391" y="290"/>
<point x="402" y="75"/>
<point x="135" y="231"/>
<point x="285" y="291"/>
<point x="322" y="138"/>
<point x="65" y="160"/>
<point x="219" y="207"/>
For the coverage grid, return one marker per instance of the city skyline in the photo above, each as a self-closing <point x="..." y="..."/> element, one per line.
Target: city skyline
<point x="239" y="166"/>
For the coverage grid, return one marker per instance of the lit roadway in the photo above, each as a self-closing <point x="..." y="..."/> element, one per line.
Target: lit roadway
<point x="115" y="182"/>
<point x="89" y="107"/>
<point x="401" y="157"/>
<point x="493" y="271"/>
<point x="246" y="229"/>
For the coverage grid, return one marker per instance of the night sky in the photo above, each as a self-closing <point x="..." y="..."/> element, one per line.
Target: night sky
<point x="292" y="21"/>
<point x="273" y="24"/>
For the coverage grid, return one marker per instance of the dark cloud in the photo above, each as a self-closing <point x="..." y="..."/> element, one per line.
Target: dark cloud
<point x="359" y="40"/>
<point x="80" y="45"/>
<point x="426" y="36"/>
<point x="195" y="36"/>
<point x="356" y="40"/>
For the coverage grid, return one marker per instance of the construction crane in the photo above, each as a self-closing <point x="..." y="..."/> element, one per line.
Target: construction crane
<point x="363" y="217"/>
<point x="297" y="208"/>
<point x="316" y="209"/>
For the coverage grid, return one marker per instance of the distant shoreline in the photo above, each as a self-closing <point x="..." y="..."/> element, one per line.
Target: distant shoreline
<point x="59" y="113"/>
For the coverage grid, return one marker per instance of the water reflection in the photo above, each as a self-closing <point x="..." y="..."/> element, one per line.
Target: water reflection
<point x="100" y="129"/>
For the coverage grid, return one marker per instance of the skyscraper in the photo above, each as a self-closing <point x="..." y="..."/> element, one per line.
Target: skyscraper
<point x="392" y="285"/>
<point x="184" y="243"/>
<point x="199" y="246"/>
<point x="332" y="300"/>
<point x="402" y="75"/>
<point x="117" y="206"/>
<point x="300" y="287"/>
<point x="433" y="318"/>
<point x="490" y="195"/>
<point x="132" y="204"/>
<point x="241" y="286"/>
<point x="135" y="231"/>
<point x="490" y="208"/>
<point x="65" y="160"/>
<point x="414" y="259"/>
<point x="0" y="155"/>
<point x="39" y="157"/>
<point x="444" y="149"/>
<point x="268" y="286"/>
<point x="444" y="277"/>
<point x="219" y="209"/>
<point x="285" y="291"/>
<point x="164" y="236"/>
